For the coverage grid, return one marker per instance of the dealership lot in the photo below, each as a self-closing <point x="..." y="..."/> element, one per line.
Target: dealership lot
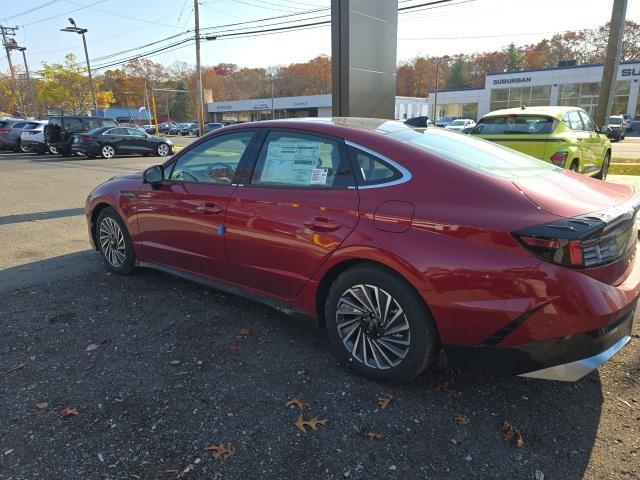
<point x="160" y="368"/>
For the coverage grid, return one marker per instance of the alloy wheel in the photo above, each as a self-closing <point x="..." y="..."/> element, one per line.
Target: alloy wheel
<point x="108" y="151"/>
<point x="163" y="150"/>
<point x="112" y="242"/>
<point x="373" y="326"/>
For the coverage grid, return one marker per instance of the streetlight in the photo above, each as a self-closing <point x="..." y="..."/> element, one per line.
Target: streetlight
<point x="82" y="31"/>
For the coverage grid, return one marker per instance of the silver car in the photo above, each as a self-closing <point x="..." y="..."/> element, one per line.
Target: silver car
<point x="10" y="131"/>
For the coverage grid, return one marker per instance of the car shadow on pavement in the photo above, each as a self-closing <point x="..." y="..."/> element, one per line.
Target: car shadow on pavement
<point x="160" y="368"/>
<point x="29" y="217"/>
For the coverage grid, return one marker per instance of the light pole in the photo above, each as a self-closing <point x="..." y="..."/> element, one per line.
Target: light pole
<point x="82" y="31"/>
<point x="435" y="100"/>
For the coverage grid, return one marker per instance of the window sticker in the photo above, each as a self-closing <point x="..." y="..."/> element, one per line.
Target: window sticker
<point x="293" y="163"/>
<point x="319" y="176"/>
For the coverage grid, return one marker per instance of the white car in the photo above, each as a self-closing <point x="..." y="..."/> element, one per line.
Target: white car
<point x="32" y="137"/>
<point x="460" y="124"/>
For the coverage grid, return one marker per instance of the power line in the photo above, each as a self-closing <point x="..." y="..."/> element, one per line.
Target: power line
<point x="119" y="14"/>
<point x="46" y="4"/>
<point x="64" y="13"/>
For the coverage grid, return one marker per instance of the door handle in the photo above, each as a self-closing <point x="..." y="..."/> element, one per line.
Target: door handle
<point x="209" y="209"/>
<point x="321" y="224"/>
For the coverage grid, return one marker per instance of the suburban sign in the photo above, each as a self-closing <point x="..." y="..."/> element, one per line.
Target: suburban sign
<point x="505" y="81"/>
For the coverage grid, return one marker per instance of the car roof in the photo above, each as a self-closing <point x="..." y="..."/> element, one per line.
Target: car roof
<point x="332" y="124"/>
<point x="557" y="112"/>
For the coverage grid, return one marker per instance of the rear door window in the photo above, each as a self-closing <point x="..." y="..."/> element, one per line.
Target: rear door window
<point x="515" y="124"/>
<point x="72" y="124"/>
<point x="573" y="121"/>
<point x="301" y="160"/>
<point x="370" y="169"/>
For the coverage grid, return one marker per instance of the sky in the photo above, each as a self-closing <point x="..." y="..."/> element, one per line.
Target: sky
<point x="460" y="26"/>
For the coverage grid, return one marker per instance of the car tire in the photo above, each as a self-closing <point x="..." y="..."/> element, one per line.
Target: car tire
<point x="162" y="150"/>
<point x="52" y="150"/>
<point x="574" y="166"/>
<point x="602" y="175"/>
<point x="24" y="149"/>
<point x="114" y="242"/>
<point x="380" y="345"/>
<point x="108" y="151"/>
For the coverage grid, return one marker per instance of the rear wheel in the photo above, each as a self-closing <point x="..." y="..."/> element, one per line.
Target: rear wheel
<point x="379" y="325"/>
<point x="107" y="151"/>
<point x="605" y="167"/>
<point x="52" y="150"/>
<point x="574" y="166"/>
<point x="114" y="242"/>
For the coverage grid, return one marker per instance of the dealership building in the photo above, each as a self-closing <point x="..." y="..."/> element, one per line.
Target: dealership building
<point x="304" y="106"/>
<point x="571" y="86"/>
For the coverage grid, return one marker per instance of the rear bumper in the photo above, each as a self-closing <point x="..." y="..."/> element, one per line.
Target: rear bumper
<point x="566" y="358"/>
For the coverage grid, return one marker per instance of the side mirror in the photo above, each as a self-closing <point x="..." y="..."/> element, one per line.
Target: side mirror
<point x="153" y="175"/>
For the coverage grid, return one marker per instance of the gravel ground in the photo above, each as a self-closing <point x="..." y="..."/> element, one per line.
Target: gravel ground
<point x="159" y="368"/>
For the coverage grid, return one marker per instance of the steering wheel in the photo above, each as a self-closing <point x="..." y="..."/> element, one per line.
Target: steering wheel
<point x="221" y="166"/>
<point x="184" y="172"/>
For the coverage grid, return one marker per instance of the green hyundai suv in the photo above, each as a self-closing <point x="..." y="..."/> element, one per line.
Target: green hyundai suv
<point x="564" y="136"/>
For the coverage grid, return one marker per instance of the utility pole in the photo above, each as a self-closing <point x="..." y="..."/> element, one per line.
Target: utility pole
<point x="611" y="62"/>
<point x="435" y="97"/>
<point x="32" y="93"/>
<point x="7" y="43"/>
<point x="199" y="68"/>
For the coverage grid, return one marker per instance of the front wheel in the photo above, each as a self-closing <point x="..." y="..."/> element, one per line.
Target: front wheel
<point x="605" y="167"/>
<point x="114" y="242"/>
<point x="379" y="325"/>
<point x="162" y="150"/>
<point x="52" y="150"/>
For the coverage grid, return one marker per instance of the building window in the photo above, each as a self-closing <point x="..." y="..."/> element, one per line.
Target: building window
<point x="460" y="110"/>
<point x="585" y="96"/>
<point x="515" y="97"/>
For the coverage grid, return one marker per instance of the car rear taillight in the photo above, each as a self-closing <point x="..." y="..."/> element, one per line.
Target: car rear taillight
<point x="583" y="242"/>
<point x="87" y="138"/>
<point x="5" y="130"/>
<point x="559" y="158"/>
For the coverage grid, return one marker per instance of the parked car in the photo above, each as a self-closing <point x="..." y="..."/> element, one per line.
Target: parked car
<point x="460" y="124"/>
<point x="62" y="130"/>
<point x="210" y="127"/>
<point x="617" y="128"/>
<point x="111" y="141"/>
<point x="32" y="138"/>
<point x="175" y="129"/>
<point x="628" y="121"/>
<point x="10" y="131"/>
<point x="564" y="136"/>
<point x="164" y="127"/>
<point x="444" y="121"/>
<point x="419" y="122"/>
<point x="408" y="246"/>
<point x="187" y="127"/>
<point x="150" y="129"/>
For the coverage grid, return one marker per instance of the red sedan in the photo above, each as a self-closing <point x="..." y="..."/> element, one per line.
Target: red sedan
<point x="409" y="247"/>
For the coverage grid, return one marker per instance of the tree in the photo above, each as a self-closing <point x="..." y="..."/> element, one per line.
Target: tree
<point x="456" y="76"/>
<point x="64" y="86"/>
<point x="515" y="58"/>
<point x="182" y="108"/>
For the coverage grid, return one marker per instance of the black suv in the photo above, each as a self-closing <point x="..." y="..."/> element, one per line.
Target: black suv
<point x="61" y="130"/>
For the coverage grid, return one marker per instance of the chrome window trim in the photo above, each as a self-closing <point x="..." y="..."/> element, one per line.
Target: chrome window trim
<point x="405" y="174"/>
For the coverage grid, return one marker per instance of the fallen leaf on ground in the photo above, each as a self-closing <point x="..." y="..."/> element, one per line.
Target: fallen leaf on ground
<point x="188" y="469"/>
<point x="313" y="423"/>
<point x="461" y="418"/>
<point x="511" y="433"/>
<point x="221" y="450"/>
<point x="68" y="412"/>
<point x="371" y="434"/>
<point x="42" y="405"/>
<point x="444" y="387"/>
<point x="234" y="346"/>
<point x="625" y="402"/>
<point x="298" y="402"/>
<point x="244" y="333"/>
<point x="91" y="347"/>
<point x="383" y="400"/>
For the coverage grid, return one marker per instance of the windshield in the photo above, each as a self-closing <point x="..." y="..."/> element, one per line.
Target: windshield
<point x="31" y="125"/>
<point x="615" y="121"/>
<point x="457" y="122"/>
<point x="519" y="124"/>
<point x="476" y="154"/>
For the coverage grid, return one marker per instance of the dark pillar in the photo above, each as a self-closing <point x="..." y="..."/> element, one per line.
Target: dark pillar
<point x="363" y="52"/>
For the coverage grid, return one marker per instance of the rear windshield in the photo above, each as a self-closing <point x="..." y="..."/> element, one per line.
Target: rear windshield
<point x="19" y="125"/>
<point x="3" y="124"/>
<point x="457" y="122"/>
<point x="31" y="125"/>
<point x="474" y="153"/>
<point x="615" y="121"/>
<point x="519" y="124"/>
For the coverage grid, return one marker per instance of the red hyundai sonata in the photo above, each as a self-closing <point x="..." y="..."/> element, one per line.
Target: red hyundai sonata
<point x="408" y="246"/>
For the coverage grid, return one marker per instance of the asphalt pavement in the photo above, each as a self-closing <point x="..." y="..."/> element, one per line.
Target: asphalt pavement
<point x="149" y="376"/>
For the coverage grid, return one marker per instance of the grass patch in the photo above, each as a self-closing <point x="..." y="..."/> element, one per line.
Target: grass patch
<point x="625" y="160"/>
<point x="625" y="169"/>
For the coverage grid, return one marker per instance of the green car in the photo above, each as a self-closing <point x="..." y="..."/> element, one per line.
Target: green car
<point x="564" y="136"/>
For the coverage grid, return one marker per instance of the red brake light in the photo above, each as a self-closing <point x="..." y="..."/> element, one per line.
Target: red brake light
<point x="5" y="130"/>
<point x="559" y="158"/>
<point x="575" y="252"/>
<point x="87" y="138"/>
